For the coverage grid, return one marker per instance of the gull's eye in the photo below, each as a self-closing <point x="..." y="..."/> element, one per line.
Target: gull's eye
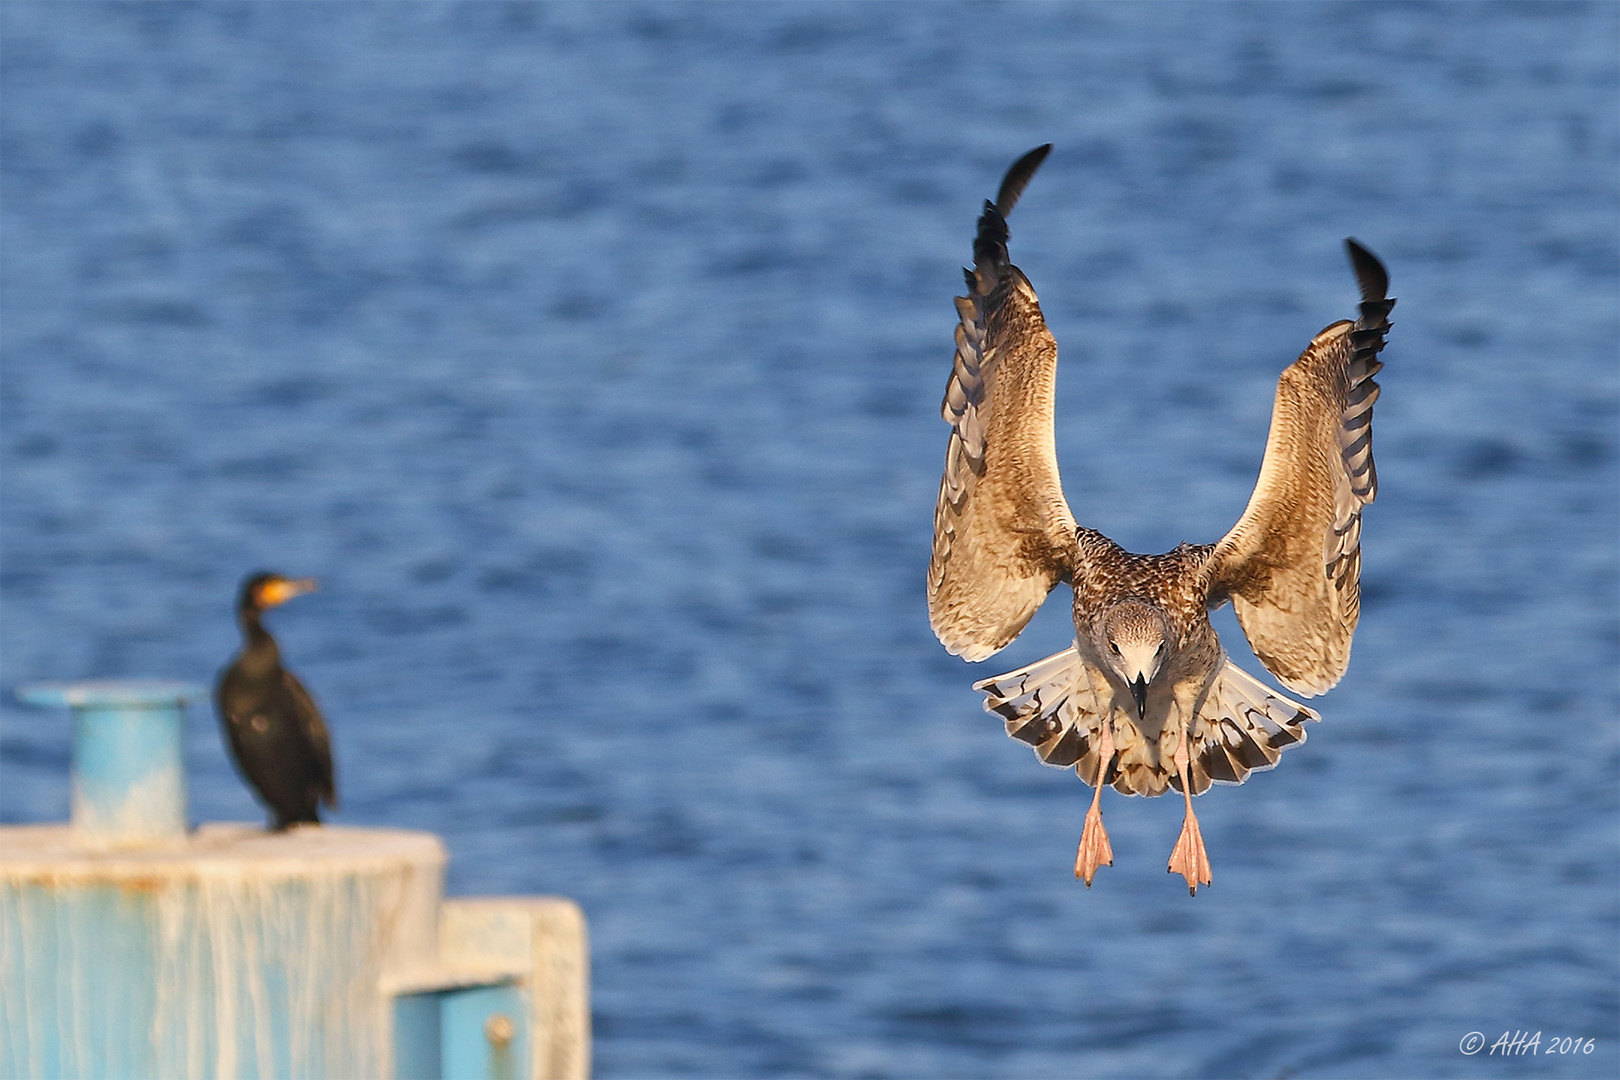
<point x="1160" y="650"/>
<point x="1111" y="645"/>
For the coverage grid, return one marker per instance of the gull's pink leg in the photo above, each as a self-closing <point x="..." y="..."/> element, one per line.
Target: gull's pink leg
<point x="1095" y="850"/>
<point x="1189" y="859"/>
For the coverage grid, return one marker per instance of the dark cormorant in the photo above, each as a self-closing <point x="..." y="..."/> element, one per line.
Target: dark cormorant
<point x="274" y="730"/>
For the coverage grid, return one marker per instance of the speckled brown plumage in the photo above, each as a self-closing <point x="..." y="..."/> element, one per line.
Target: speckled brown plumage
<point x="1146" y="699"/>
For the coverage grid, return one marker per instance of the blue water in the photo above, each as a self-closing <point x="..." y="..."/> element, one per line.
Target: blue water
<point x="591" y="357"/>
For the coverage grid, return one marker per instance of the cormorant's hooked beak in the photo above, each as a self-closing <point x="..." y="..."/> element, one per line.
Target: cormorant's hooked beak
<point x="1139" y="692"/>
<point x="280" y="590"/>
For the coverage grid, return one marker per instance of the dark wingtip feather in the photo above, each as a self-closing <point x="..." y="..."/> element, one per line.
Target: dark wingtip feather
<point x="989" y="250"/>
<point x="1370" y="273"/>
<point x="990" y="243"/>
<point x="1018" y="176"/>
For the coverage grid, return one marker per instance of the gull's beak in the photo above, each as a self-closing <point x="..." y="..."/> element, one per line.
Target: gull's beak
<point x="1139" y="692"/>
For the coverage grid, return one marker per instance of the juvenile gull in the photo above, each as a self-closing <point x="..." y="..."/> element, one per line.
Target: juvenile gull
<point x="1146" y="699"/>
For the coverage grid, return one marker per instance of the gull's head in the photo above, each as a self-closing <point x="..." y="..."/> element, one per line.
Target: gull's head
<point x="1134" y="641"/>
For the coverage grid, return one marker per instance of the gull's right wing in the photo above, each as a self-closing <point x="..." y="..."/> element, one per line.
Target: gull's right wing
<point x="1003" y="534"/>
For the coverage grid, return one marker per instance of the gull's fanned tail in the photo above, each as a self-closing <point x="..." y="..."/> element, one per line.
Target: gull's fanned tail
<point x="1052" y="706"/>
<point x="1057" y="705"/>
<point x="1243" y="726"/>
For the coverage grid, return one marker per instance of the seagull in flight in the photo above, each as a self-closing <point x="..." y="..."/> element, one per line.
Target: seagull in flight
<point x="1146" y="698"/>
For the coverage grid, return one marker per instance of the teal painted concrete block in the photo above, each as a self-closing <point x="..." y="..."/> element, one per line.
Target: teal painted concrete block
<point x="240" y="953"/>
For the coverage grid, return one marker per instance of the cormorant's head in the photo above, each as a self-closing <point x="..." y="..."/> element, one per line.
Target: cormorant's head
<point x="1135" y="638"/>
<point x="266" y="590"/>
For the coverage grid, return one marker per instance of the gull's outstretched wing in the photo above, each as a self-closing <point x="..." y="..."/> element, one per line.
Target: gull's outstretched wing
<point x="1292" y="564"/>
<point x="1003" y="534"/>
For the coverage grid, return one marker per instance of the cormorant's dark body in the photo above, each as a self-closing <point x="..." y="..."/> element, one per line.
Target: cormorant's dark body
<point x="276" y="735"/>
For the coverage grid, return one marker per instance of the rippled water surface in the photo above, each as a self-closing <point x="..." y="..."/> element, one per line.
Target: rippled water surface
<point x="591" y="356"/>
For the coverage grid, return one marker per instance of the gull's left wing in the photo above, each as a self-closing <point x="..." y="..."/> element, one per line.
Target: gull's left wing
<point x="1292" y="564"/>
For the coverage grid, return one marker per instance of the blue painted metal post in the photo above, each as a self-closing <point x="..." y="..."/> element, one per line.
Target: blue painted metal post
<point x="129" y="781"/>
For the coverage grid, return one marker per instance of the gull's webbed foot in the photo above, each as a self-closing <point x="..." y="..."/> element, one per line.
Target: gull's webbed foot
<point x="1189" y="859"/>
<point x="1095" y="850"/>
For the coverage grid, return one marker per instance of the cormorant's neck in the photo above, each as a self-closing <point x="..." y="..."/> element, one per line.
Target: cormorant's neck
<point x="259" y="652"/>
